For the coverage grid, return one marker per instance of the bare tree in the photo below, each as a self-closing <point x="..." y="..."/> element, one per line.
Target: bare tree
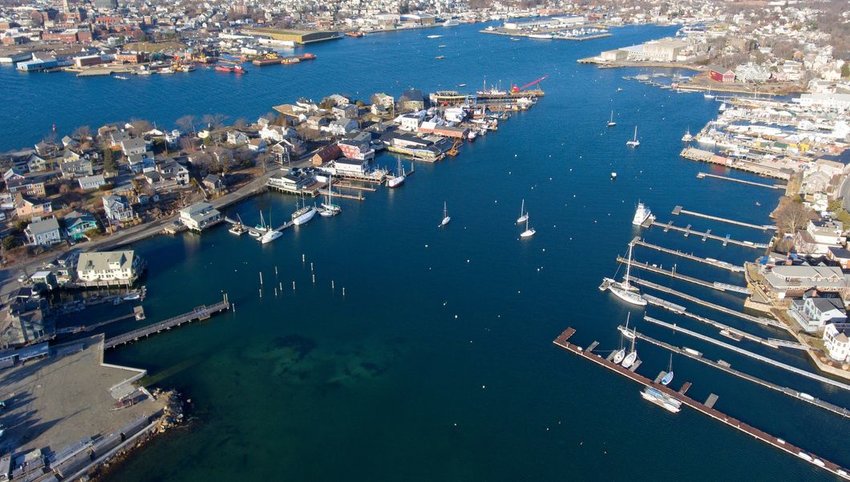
<point x="214" y="121"/>
<point x="791" y="216"/>
<point x="186" y="123"/>
<point x="140" y="126"/>
<point x="82" y="133"/>
<point x="240" y="123"/>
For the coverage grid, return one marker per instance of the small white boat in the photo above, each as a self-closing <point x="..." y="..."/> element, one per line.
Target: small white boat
<point x="132" y="297"/>
<point x="270" y="236"/>
<point x="619" y="355"/>
<point x="613" y="175"/>
<point x="523" y="216"/>
<point x="708" y="95"/>
<point x="399" y="178"/>
<point x="669" y="376"/>
<point x="687" y="137"/>
<point x="434" y="36"/>
<point x="611" y="122"/>
<point x="631" y="357"/>
<point x="634" y="142"/>
<point x="642" y="213"/>
<point x="446" y="217"/>
<point x="529" y="232"/>
<point x="661" y="399"/>
<point x="119" y="77"/>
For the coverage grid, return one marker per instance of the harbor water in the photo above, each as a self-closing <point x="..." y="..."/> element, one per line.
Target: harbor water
<point x="437" y="362"/>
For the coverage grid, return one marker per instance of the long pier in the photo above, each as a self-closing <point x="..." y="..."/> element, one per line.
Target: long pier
<point x="562" y="342"/>
<point x="689" y="256"/>
<point x="687" y="231"/>
<point x="763" y="227"/>
<point x="202" y="312"/>
<point x="708" y="304"/>
<point x="358" y="197"/>
<point x="725" y="367"/>
<point x="725" y="330"/>
<point x="690" y="279"/>
<point x="742" y="181"/>
<point x="756" y="356"/>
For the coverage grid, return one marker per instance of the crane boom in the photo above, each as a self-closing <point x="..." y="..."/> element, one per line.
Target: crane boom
<point x="530" y="84"/>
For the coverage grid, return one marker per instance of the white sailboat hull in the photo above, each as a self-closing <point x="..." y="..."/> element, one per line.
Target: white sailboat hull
<point x="527" y="233"/>
<point x="305" y="217"/>
<point x="270" y="236"/>
<point x="629" y="296"/>
<point x="522" y="219"/>
<point x="445" y="221"/>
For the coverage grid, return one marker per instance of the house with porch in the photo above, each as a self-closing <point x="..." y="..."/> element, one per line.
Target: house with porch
<point x="77" y="224"/>
<point x="815" y="312"/>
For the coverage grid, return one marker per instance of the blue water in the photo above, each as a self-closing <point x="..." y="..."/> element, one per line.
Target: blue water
<point x="438" y="362"/>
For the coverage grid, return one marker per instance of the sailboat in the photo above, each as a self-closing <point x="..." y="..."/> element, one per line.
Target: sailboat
<point x="446" y="217"/>
<point x="303" y="214"/>
<point x="523" y="216"/>
<point x="611" y="122"/>
<point x="260" y="229"/>
<point x="687" y="137"/>
<point x="634" y="142"/>
<point x="631" y="357"/>
<point x="624" y="289"/>
<point x="399" y="178"/>
<point x="271" y="234"/>
<point x="619" y="354"/>
<point x="328" y="208"/>
<point x="669" y="376"/>
<point x="529" y="232"/>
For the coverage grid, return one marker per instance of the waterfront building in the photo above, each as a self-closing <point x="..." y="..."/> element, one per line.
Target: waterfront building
<point x="351" y="167"/>
<point x="109" y="268"/>
<point x="77" y="224"/>
<point x="300" y="37"/>
<point x="793" y="281"/>
<point x="200" y="216"/>
<point x="134" y="146"/>
<point x="813" y="313"/>
<point x="117" y="208"/>
<point x="357" y="148"/>
<point x="326" y="154"/>
<point x="43" y="232"/>
<point x="818" y="237"/>
<point x="836" y="343"/>
<point x="292" y="184"/>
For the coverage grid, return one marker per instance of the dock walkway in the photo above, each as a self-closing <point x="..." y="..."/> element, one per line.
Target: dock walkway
<point x="756" y="356"/>
<point x="742" y="181"/>
<point x="707" y="304"/>
<point x="562" y="342"/>
<point x="707" y="235"/>
<point x="690" y="279"/>
<point x="202" y="312"/>
<point x="762" y="227"/>
<point x="725" y="367"/>
<point x="711" y="262"/>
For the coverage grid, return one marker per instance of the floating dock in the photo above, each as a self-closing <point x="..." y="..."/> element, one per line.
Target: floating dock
<point x="725" y="367"/>
<point x="200" y="313"/>
<point x="756" y="356"/>
<point x="707" y="235"/>
<point x="707" y="304"/>
<point x="742" y="181"/>
<point x="690" y="279"/>
<point x="763" y="227"/>
<point x="711" y="262"/>
<point x="562" y="342"/>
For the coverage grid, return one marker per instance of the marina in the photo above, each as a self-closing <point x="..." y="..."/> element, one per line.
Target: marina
<point x="690" y="279"/>
<point x="690" y="256"/>
<point x="763" y="227"/>
<point x="703" y="175"/>
<point x="707" y="408"/>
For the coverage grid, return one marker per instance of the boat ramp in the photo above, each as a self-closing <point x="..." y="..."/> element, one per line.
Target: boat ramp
<point x="763" y="227"/>
<point x="707" y="408"/>
<point x="707" y="235"/>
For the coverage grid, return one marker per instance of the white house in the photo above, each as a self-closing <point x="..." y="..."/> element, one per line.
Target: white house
<point x="409" y="122"/>
<point x="109" y="268"/>
<point x="836" y="343"/>
<point x="43" y="232"/>
<point x="815" y="312"/>
<point x="352" y="167"/>
<point x="200" y="216"/>
<point x="117" y="208"/>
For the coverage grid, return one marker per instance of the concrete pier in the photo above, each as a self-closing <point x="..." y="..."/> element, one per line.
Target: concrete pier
<point x="711" y="262"/>
<point x="741" y="181"/>
<point x="690" y="279"/>
<point x="763" y="227"/>
<point x="707" y="235"/>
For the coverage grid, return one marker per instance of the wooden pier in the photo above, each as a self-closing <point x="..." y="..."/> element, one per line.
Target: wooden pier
<point x="742" y="181"/>
<point x="762" y="227"/>
<point x="358" y="197"/>
<point x="711" y="262"/>
<point x="725" y="367"/>
<point x="756" y="356"/>
<point x="200" y="313"/>
<point x="707" y="235"/>
<point x="707" y="304"/>
<point x="562" y="342"/>
<point x="690" y="279"/>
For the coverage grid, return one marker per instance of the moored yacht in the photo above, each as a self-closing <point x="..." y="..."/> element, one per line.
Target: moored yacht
<point x="661" y="399"/>
<point x="270" y="236"/>
<point x="303" y="215"/>
<point x="399" y="178"/>
<point x="446" y="217"/>
<point x="623" y="289"/>
<point x="633" y="142"/>
<point x="611" y="122"/>
<point x="642" y="213"/>
<point x="523" y="216"/>
<point x="529" y="232"/>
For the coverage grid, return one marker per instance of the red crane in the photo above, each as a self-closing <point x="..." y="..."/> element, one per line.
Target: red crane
<point x="530" y="84"/>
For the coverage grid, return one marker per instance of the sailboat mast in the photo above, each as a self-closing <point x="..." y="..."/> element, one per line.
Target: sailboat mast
<point x="628" y="265"/>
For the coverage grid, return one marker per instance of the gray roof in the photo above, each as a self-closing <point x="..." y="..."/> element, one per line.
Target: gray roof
<point x="43" y="226"/>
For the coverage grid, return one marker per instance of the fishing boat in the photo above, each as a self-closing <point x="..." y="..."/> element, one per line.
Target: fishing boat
<point x="523" y="216"/>
<point x="657" y="397"/>
<point x="624" y="289"/>
<point x="631" y="357"/>
<point x="687" y="137"/>
<point x="238" y="228"/>
<point x="303" y="215"/>
<point x="642" y="213"/>
<point x="611" y="122"/>
<point x="446" y="217"/>
<point x="399" y="178"/>
<point x="634" y="142"/>
<point x="669" y="376"/>
<point x="328" y="208"/>
<point x="529" y="232"/>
